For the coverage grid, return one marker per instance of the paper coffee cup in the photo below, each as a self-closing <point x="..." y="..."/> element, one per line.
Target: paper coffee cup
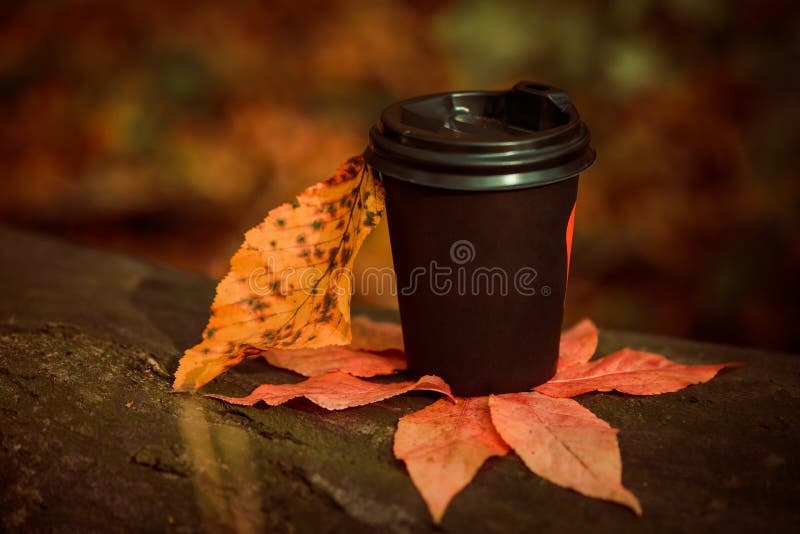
<point x="480" y="195"/>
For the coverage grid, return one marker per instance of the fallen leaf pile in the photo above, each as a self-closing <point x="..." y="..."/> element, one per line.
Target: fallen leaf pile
<point x="445" y="444"/>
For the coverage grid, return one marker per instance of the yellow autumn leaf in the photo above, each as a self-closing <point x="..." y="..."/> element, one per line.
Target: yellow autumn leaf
<point x="290" y="283"/>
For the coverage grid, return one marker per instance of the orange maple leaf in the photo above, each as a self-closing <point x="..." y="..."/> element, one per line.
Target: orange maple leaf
<point x="336" y="391"/>
<point x="290" y="282"/>
<point x="444" y="445"/>
<point x="628" y="371"/>
<point x="563" y="442"/>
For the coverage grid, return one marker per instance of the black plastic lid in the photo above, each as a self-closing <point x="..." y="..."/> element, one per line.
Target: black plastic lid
<point x="482" y="140"/>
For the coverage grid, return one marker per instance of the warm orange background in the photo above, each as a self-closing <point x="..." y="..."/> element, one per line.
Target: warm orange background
<point x="168" y="128"/>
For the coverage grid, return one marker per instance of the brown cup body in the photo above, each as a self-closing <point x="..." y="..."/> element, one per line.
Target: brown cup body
<point x="481" y="278"/>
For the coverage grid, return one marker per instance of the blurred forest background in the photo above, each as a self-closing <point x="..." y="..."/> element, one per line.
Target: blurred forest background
<point x="166" y="129"/>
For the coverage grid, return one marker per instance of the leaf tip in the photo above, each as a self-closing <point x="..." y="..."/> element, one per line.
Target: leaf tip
<point x="180" y="384"/>
<point x="241" y="401"/>
<point x="435" y="383"/>
<point x="182" y="388"/>
<point x="629" y="499"/>
<point x="437" y="514"/>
